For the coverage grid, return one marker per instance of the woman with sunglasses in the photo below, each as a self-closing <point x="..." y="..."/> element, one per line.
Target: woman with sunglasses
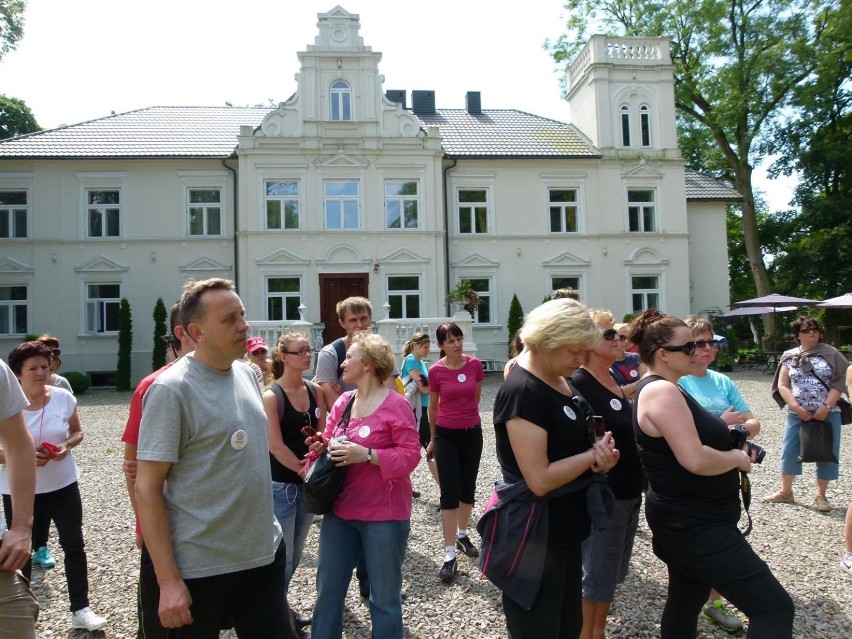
<point x="55" y="362"/>
<point x="808" y="382"/>
<point x="291" y="403"/>
<point x="606" y="553"/>
<point x="627" y="369"/>
<point x="692" y="503"/>
<point x="545" y="438"/>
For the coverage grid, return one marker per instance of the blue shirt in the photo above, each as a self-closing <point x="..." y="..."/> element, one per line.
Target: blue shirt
<point x="715" y="392"/>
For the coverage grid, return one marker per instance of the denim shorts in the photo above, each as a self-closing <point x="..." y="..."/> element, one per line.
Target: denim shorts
<point x="606" y="553"/>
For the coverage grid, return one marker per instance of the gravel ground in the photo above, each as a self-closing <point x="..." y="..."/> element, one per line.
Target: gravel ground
<point x="801" y="545"/>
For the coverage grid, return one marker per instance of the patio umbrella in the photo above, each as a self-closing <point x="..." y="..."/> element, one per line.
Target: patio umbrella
<point x="844" y="301"/>
<point x="774" y="300"/>
<point x="754" y="310"/>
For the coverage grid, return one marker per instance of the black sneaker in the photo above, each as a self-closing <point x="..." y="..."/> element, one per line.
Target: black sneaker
<point x="415" y="494"/>
<point x="464" y="544"/>
<point x="448" y="570"/>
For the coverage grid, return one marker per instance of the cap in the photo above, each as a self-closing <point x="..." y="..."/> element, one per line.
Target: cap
<point x="254" y="343"/>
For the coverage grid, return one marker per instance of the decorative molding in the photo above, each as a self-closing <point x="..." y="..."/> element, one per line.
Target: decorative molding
<point x="564" y="259"/>
<point x="475" y="260"/>
<point x="404" y="256"/>
<point x="11" y="265"/>
<point x="102" y="264"/>
<point x="282" y="257"/>
<point x="644" y="256"/>
<point x="205" y="264"/>
<point x="343" y="254"/>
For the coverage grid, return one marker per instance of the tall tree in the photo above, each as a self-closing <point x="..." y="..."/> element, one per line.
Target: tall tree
<point x="736" y="65"/>
<point x="11" y="24"/>
<point x="15" y="117"/>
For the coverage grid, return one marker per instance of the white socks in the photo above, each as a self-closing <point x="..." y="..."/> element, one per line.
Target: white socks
<point x="461" y="532"/>
<point x="449" y="553"/>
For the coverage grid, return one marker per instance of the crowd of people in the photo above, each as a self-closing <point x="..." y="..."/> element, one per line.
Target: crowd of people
<point x="591" y="416"/>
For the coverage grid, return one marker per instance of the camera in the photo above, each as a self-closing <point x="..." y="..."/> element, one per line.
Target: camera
<point x="739" y="437"/>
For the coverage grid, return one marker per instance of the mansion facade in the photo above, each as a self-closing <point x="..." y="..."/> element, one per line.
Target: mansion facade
<point x="347" y="188"/>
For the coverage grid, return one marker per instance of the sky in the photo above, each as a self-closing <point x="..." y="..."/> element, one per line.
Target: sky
<point x="83" y="59"/>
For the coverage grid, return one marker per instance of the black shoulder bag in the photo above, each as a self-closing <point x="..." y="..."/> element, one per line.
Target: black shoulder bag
<point x="324" y="481"/>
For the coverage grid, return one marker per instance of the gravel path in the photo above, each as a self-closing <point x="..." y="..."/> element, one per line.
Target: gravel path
<point x="801" y="545"/>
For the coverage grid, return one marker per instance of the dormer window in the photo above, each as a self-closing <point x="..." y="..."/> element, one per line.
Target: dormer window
<point x="645" y="124"/>
<point x="341" y="101"/>
<point x="625" y="125"/>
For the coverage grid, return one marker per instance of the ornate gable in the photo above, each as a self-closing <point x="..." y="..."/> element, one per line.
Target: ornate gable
<point x="565" y="258"/>
<point x="282" y="257"/>
<point x="11" y="265"/>
<point x="103" y="264"/>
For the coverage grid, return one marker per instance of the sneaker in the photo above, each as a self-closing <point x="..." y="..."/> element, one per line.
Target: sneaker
<point x="721" y="616"/>
<point x="464" y="544"/>
<point x="415" y="494"/>
<point x="846" y="562"/>
<point x="779" y="498"/>
<point x="86" y="618"/>
<point x="448" y="570"/>
<point x="822" y="504"/>
<point x="43" y="558"/>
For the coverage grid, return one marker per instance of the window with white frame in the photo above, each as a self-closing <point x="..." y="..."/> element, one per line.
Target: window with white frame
<point x="645" y="124"/>
<point x="282" y="204"/>
<point x="565" y="281"/>
<point x="644" y="292"/>
<point x="13" y="214"/>
<point x="103" y="212"/>
<point x="484" y="314"/>
<point x="13" y="309"/>
<point x="641" y="210"/>
<point x="473" y="211"/>
<point x="341" y="204"/>
<point x="102" y="304"/>
<point x="625" y="125"/>
<point x="283" y="298"/>
<point x="564" y="210"/>
<point x="340" y="107"/>
<point x="205" y="212"/>
<point x="402" y="204"/>
<point x="404" y="296"/>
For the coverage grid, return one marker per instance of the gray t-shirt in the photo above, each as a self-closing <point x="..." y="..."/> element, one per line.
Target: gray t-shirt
<point x="61" y="382"/>
<point x="327" y="368"/>
<point x="12" y="402"/>
<point x="211" y="426"/>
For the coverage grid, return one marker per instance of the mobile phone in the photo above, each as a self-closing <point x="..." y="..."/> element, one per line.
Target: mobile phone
<point x="600" y="427"/>
<point x="49" y="449"/>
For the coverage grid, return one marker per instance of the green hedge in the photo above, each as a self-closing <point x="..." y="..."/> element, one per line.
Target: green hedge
<point x="80" y="382"/>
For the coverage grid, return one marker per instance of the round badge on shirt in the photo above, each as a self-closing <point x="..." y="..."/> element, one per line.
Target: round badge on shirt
<point x="364" y="432"/>
<point x="462" y="378"/>
<point x="317" y="412"/>
<point x="634" y="374"/>
<point x="570" y="413"/>
<point x="239" y="440"/>
<point x="615" y="404"/>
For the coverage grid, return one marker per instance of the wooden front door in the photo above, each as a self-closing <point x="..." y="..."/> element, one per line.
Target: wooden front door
<point x="333" y="289"/>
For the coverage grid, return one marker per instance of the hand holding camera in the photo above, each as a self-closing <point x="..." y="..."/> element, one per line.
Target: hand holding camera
<point x="739" y="440"/>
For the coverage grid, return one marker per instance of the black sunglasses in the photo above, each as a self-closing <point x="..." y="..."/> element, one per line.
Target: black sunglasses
<point x="584" y="408"/>
<point x="610" y="334"/>
<point x="701" y="343"/>
<point x="56" y="352"/>
<point x="687" y="349"/>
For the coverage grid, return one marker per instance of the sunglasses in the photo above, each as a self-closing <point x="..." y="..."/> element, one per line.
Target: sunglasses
<point x="584" y="408"/>
<point x="168" y="339"/>
<point x="56" y="352"/>
<point x="702" y="343"/>
<point x="610" y="334"/>
<point x="259" y="351"/>
<point x="808" y="331"/>
<point x="687" y="349"/>
<point x="301" y="353"/>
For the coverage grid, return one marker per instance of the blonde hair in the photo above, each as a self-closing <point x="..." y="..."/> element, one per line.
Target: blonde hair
<point x="416" y="340"/>
<point x="283" y="344"/>
<point x="602" y="315"/>
<point x="376" y="352"/>
<point x="699" y="325"/>
<point x="354" y="305"/>
<point x="558" y="323"/>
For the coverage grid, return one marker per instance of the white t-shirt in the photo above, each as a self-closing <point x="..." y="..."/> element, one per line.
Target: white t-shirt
<point x="12" y="402"/>
<point x="50" y="424"/>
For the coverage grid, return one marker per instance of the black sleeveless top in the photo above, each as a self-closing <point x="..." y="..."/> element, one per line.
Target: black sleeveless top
<point x="291" y="426"/>
<point x="674" y="493"/>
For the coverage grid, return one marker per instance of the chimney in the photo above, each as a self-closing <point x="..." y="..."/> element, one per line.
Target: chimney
<point x="395" y="95"/>
<point x="423" y="102"/>
<point x="473" y="102"/>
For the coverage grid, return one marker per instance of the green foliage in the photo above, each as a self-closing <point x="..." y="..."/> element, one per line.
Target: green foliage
<point x="628" y="317"/>
<point x="15" y="118"/>
<point x="11" y="24"/>
<point x="29" y="337"/>
<point x="125" y="346"/>
<point x="515" y="321"/>
<point x="80" y="382"/>
<point x="464" y="294"/>
<point x="158" y="355"/>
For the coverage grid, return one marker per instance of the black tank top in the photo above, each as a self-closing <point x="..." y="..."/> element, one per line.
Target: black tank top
<point x="292" y="423"/>
<point x="672" y="488"/>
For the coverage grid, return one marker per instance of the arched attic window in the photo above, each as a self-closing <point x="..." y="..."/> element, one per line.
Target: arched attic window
<point x="340" y="95"/>
<point x="645" y="124"/>
<point x="625" y="125"/>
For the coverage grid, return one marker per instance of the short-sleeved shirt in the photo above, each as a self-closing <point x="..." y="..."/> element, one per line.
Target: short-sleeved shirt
<point x="328" y="368"/>
<point x="525" y="396"/>
<point x="626" y="371"/>
<point x="134" y="416"/>
<point x="61" y="382"/>
<point x="456" y="388"/>
<point x="210" y="426"/>
<point x="12" y="402"/>
<point x="412" y="363"/>
<point x="715" y="392"/>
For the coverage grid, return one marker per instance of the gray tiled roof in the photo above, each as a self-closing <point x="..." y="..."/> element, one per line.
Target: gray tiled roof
<point x="708" y="188"/>
<point x="507" y="133"/>
<point x="152" y="132"/>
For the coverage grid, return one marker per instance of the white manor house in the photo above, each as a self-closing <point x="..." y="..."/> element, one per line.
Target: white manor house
<point x="350" y="188"/>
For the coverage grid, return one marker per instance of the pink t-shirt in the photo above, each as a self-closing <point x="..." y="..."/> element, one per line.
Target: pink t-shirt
<point x="458" y="405"/>
<point x="383" y="492"/>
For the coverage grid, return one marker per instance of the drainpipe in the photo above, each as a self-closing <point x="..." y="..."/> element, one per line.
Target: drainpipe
<point x="236" y="224"/>
<point x="447" y="233"/>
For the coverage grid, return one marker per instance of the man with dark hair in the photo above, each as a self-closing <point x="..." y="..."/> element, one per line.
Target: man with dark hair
<point x="203" y="492"/>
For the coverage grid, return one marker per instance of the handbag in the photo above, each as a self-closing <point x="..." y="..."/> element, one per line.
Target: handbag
<point x="842" y="403"/>
<point x="324" y="480"/>
<point x="816" y="442"/>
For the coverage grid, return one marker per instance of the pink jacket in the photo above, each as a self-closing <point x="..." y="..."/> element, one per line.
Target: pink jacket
<point x="383" y="492"/>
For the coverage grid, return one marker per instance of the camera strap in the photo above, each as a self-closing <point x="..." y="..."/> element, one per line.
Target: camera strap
<point x="745" y="490"/>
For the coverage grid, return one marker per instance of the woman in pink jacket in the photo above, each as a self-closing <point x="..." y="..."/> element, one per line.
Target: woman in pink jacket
<point x="372" y="514"/>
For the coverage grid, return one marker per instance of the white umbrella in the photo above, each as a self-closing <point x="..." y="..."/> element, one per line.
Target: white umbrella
<point x="754" y="310"/>
<point x="844" y="301"/>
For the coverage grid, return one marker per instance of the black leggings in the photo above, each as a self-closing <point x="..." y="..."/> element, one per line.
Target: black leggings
<point x="700" y="554"/>
<point x="457" y="453"/>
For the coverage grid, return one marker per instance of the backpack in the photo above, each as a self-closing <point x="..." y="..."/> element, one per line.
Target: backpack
<point x="279" y="395"/>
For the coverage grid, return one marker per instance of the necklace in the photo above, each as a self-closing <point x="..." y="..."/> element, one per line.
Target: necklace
<point x="371" y="403"/>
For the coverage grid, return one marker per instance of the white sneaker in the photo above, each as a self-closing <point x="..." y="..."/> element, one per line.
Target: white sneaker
<point x="86" y="618"/>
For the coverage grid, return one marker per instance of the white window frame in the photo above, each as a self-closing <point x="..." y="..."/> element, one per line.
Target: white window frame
<point x="624" y="125"/>
<point x="659" y="290"/>
<point x="472" y="205"/>
<point x="641" y="206"/>
<point x="7" y="307"/>
<point x="102" y="181"/>
<point x="206" y="180"/>
<point x="579" y="277"/>
<point x="10" y="213"/>
<point x="490" y="294"/>
<point x="404" y="294"/>
<point x="401" y="201"/>
<point x="283" y="296"/>
<point x="205" y="207"/>
<point x="104" y="211"/>
<point x="645" y="132"/>
<point x="576" y="205"/>
<point x="341" y="200"/>
<point x="339" y="98"/>
<point x="283" y="201"/>
<point x="99" y="303"/>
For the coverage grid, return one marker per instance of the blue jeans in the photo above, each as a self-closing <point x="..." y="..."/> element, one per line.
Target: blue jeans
<point x="341" y="543"/>
<point x="790" y="448"/>
<point x="295" y="520"/>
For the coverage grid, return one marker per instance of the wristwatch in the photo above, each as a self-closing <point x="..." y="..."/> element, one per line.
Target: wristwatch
<point x="369" y="455"/>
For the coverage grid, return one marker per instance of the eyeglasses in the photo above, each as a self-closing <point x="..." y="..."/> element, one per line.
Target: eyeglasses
<point x="702" y="343"/>
<point x="687" y="349"/>
<point x="610" y="334"/>
<point x="302" y="353"/>
<point x="808" y="331"/>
